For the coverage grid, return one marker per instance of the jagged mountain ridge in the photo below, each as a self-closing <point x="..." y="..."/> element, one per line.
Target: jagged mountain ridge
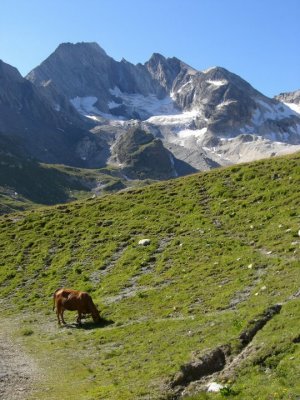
<point x="199" y="115"/>
<point x="85" y="70"/>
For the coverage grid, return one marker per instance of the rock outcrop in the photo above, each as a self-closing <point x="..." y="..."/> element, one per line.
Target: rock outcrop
<point x="140" y="155"/>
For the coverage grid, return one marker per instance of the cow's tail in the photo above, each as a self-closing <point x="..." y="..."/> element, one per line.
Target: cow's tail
<point x="54" y="295"/>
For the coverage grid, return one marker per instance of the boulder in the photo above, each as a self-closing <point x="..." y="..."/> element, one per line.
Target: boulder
<point x="144" y="242"/>
<point x="214" y="387"/>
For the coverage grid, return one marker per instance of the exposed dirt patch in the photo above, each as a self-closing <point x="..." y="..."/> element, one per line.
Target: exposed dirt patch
<point x="133" y="288"/>
<point x="96" y="276"/>
<point x="243" y="295"/>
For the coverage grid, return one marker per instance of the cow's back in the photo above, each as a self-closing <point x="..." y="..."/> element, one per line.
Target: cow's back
<point x="76" y="301"/>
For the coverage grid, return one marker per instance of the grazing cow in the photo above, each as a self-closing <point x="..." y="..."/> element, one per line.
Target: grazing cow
<point x="74" y="300"/>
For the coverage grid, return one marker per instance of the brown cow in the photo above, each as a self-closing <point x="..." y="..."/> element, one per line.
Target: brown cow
<point x="74" y="300"/>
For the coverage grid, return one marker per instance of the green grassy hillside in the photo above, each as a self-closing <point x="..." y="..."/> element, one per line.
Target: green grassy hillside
<point x="224" y="247"/>
<point x="25" y="183"/>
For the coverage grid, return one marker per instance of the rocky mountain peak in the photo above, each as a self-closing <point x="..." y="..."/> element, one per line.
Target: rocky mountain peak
<point x="289" y="97"/>
<point x="156" y="58"/>
<point x="76" y="69"/>
<point x="80" y="49"/>
<point x="166" y="70"/>
<point x="220" y="74"/>
<point x="65" y="58"/>
<point x="8" y="72"/>
<point x="216" y="70"/>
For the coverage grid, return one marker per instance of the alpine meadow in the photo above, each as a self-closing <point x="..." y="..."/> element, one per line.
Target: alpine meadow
<point x="210" y="300"/>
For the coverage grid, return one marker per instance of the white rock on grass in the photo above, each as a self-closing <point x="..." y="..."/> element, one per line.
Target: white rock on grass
<point x="214" y="387"/>
<point x="144" y="242"/>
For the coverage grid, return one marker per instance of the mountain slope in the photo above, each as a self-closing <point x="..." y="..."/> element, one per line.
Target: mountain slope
<point x="203" y="118"/>
<point x="38" y="129"/>
<point x="223" y="257"/>
<point x="26" y="183"/>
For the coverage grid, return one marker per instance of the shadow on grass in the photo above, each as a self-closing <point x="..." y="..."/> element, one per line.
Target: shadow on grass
<point x="90" y="324"/>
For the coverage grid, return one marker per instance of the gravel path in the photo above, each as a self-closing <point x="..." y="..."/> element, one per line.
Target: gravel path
<point x="17" y="369"/>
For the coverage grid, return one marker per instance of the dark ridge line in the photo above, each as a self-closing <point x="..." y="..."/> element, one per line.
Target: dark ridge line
<point x="257" y="324"/>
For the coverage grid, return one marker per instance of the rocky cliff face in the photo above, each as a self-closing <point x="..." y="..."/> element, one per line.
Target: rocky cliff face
<point x="41" y="131"/>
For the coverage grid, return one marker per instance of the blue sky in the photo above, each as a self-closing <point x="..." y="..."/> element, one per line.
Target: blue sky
<point x="256" y="39"/>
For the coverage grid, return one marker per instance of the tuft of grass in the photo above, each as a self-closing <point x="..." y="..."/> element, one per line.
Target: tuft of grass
<point x="27" y="332"/>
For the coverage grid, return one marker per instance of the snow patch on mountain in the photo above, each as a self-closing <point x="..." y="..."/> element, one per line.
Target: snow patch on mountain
<point x="104" y="117"/>
<point x="273" y="112"/>
<point x="188" y="138"/>
<point x="293" y="106"/>
<point x="186" y="135"/>
<point x="174" y="119"/>
<point x="246" y="149"/>
<point x="217" y="83"/>
<point x="85" y="105"/>
<point x="205" y="71"/>
<point x="147" y="105"/>
<point x="225" y="103"/>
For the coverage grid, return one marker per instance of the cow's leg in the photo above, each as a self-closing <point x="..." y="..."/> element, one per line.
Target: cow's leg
<point x="58" y="319"/>
<point x="62" y="316"/>
<point x="79" y="318"/>
<point x="58" y="311"/>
